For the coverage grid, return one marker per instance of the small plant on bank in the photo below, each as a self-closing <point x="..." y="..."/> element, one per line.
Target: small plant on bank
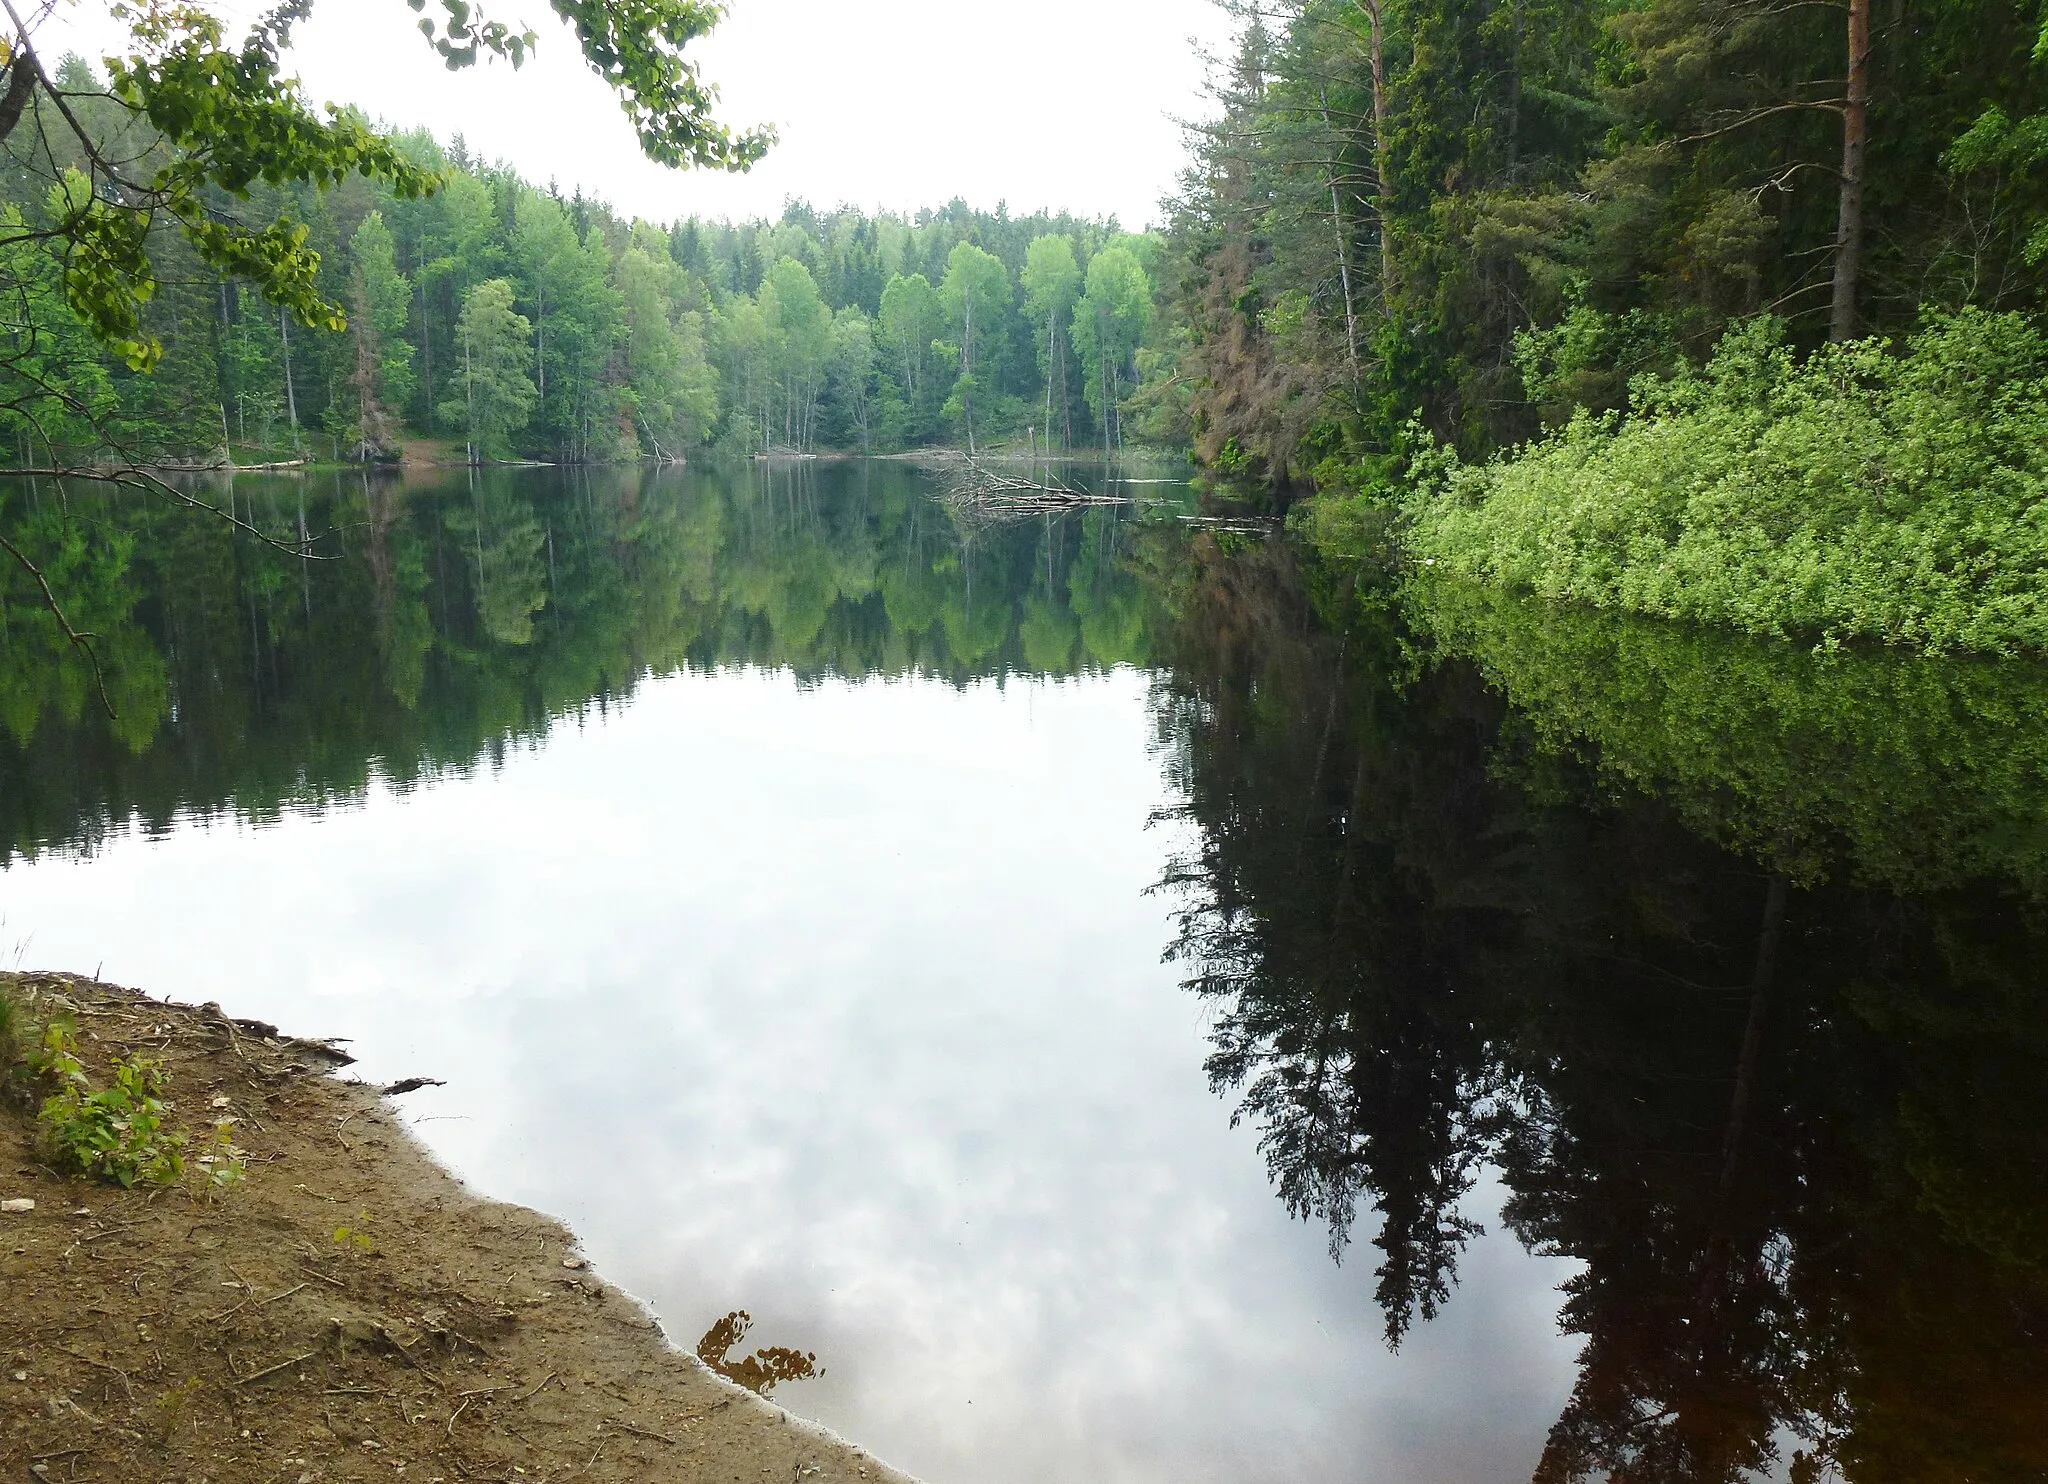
<point x="13" y="1084"/>
<point x="222" y="1164"/>
<point x="122" y="1132"/>
<point x="355" y="1240"/>
<point x="116" y="1133"/>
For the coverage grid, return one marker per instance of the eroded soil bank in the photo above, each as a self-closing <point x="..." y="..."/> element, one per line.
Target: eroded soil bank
<point x="166" y="1337"/>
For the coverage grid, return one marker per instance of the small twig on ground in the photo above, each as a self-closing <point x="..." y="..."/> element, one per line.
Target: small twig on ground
<point x="282" y="1365"/>
<point x="529" y="1396"/>
<point x="642" y="1432"/>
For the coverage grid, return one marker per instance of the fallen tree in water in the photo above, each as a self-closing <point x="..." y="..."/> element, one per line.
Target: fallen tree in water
<point x="972" y="485"/>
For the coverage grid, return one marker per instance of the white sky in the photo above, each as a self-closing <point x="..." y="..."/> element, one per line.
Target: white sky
<point x="883" y="103"/>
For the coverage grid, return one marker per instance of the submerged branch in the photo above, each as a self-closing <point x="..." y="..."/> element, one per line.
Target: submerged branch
<point x="974" y="486"/>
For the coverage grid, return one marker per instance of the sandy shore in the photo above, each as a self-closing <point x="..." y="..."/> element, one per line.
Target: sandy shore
<point x="440" y="1337"/>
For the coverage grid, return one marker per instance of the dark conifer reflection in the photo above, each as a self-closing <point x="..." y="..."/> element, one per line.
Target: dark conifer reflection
<point x="1782" y="1100"/>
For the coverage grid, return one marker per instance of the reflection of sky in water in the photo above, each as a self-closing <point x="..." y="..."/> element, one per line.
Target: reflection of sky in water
<point x="844" y="1005"/>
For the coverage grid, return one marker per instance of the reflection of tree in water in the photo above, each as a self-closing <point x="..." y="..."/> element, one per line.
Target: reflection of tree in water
<point x="1438" y="935"/>
<point x="461" y="612"/>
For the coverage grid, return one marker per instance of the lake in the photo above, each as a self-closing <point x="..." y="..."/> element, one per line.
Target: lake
<point x="1141" y="1001"/>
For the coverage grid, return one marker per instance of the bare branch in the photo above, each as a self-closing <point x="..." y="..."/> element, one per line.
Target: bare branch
<point x="1831" y="106"/>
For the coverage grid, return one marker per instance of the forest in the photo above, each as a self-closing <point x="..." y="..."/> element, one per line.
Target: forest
<point x="1713" y="309"/>
<point x="517" y="322"/>
<point x="1717" y="310"/>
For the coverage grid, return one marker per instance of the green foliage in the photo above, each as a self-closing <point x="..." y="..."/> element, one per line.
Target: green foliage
<point x="1852" y="493"/>
<point x="1491" y="215"/>
<point x="231" y="120"/>
<point x="356" y="1240"/>
<point x="383" y="309"/>
<point x="911" y="319"/>
<point x="1109" y="325"/>
<point x="977" y="298"/>
<point x="490" y="396"/>
<point x="11" y="1027"/>
<point x="116" y="1133"/>
<point x="1907" y="771"/>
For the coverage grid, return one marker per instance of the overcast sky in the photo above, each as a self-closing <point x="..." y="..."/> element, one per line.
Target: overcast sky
<point x="889" y="103"/>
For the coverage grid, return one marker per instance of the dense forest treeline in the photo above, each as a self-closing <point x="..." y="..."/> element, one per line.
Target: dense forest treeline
<point x="1486" y="214"/>
<point x="1719" y="310"/>
<point x="1724" y="310"/>
<point x="521" y="322"/>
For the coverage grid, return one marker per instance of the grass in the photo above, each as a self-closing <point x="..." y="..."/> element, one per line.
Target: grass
<point x="1855" y="494"/>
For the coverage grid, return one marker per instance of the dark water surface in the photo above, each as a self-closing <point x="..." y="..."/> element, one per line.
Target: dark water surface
<point x="874" y="920"/>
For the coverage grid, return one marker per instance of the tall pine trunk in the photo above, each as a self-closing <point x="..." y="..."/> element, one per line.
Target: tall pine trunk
<point x="1849" y="228"/>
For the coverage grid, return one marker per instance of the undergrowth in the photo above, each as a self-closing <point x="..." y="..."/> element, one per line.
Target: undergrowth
<point x="121" y="1132"/>
<point x="1853" y="494"/>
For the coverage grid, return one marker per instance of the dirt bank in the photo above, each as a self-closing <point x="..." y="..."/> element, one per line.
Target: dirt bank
<point x="349" y="1312"/>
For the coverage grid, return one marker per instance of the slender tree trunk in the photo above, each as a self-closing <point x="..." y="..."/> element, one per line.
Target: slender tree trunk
<point x="1343" y="250"/>
<point x="1515" y="91"/>
<point x="1753" y="1027"/>
<point x="967" y="353"/>
<point x="1849" y="229"/>
<point x="291" y="394"/>
<point x="1051" y="342"/>
<point x="1382" y="167"/>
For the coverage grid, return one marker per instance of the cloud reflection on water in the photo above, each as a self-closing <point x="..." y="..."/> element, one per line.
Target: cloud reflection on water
<point x="842" y="1003"/>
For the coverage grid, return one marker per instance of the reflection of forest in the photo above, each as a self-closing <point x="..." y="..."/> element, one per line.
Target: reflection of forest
<point x="460" y="615"/>
<point x="1725" y="955"/>
<point x="1782" y="1101"/>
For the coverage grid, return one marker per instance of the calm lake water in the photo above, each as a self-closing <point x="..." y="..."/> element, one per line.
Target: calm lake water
<point x="1017" y="961"/>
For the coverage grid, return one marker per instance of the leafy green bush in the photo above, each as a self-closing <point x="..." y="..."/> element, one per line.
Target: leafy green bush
<point x="1852" y="494"/>
<point x="117" y="1133"/>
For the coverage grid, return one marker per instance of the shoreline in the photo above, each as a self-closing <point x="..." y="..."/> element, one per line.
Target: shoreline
<point x="349" y="1311"/>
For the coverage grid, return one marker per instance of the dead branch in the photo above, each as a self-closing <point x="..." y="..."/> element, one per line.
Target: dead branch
<point x="975" y="487"/>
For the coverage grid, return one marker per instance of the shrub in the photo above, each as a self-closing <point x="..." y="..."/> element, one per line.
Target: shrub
<point x="1851" y="494"/>
<point x="117" y="1133"/>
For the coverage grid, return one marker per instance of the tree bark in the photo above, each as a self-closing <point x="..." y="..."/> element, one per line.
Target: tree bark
<point x="1382" y="171"/>
<point x="1849" y="228"/>
<point x="1343" y="250"/>
<point x="21" y="85"/>
<point x="291" y="392"/>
